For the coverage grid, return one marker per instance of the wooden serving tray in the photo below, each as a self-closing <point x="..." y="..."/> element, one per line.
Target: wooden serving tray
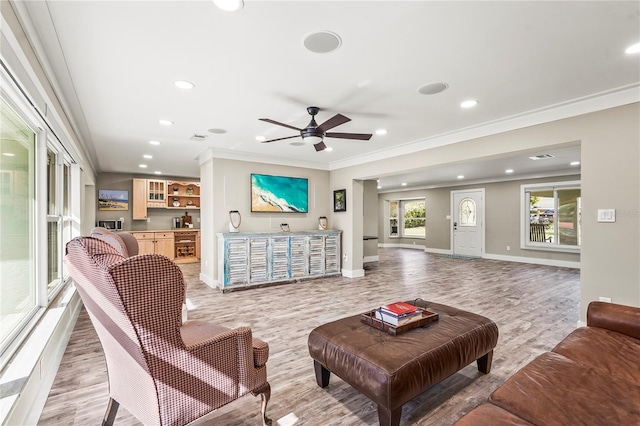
<point x="420" y="320"/>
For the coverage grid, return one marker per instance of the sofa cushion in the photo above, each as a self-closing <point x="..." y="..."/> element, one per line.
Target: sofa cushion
<point x="605" y="351"/>
<point x="489" y="414"/>
<point x="553" y="389"/>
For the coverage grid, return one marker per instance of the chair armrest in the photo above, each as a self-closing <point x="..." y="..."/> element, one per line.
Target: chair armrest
<point x="196" y="334"/>
<point x="619" y="318"/>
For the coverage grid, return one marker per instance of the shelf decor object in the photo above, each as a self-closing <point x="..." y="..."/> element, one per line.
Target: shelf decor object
<point x="323" y="223"/>
<point x="235" y="219"/>
<point x="340" y="200"/>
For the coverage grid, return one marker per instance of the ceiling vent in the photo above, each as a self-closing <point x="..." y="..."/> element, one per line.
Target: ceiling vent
<point x="542" y="157"/>
<point x="198" y="138"/>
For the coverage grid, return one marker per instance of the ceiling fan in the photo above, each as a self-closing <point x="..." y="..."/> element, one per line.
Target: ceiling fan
<point x="315" y="134"/>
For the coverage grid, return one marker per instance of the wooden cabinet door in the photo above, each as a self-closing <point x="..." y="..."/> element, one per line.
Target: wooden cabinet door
<point x="139" y="199"/>
<point x="146" y="246"/>
<point x="165" y="244"/>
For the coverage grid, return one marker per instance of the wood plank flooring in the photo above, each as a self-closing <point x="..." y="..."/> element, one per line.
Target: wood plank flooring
<point x="534" y="307"/>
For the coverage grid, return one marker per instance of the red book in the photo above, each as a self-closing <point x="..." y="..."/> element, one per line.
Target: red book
<point x="401" y="309"/>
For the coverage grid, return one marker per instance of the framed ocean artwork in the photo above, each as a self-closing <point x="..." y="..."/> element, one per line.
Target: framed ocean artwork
<point x="279" y="194"/>
<point x="109" y="199"/>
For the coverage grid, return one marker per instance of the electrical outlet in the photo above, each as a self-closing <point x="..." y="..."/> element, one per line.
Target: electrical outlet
<point x="508" y="248"/>
<point x="344" y="257"/>
<point x="148" y="219"/>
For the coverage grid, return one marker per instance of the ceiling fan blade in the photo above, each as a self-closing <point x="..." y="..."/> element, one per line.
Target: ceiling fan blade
<point x="279" y="139"/>
<point x="320" y="146"/>
<point x="334" y="121"/>
<point x="268" y="120"/>
<point x="360" y="136"/>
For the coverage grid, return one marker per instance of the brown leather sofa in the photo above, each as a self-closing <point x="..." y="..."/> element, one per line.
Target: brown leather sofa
<point x="592" y="377"/>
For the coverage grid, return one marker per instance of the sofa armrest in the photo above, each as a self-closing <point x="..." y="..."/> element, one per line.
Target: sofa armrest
<point x="619" y="318"/>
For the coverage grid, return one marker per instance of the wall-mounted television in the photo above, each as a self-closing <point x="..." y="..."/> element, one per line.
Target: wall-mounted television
<point x="279" y="194"/>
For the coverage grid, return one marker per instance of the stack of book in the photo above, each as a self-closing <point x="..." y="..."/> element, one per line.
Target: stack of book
<point x="398" y="313"/>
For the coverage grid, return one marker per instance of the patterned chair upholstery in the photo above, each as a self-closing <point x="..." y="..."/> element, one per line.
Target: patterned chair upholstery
<point x="162" y="371"/>
<point x="124" y="242"/>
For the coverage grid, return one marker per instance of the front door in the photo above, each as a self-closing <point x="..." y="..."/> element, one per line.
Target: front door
<point x="468" y="222"/>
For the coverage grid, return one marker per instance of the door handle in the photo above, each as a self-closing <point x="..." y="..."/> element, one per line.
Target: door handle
<point x="455" y="226"/>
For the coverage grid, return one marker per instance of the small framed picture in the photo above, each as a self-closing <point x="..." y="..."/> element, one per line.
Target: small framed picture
<point x="109" y="199"/>
<point x="340" y="200"/>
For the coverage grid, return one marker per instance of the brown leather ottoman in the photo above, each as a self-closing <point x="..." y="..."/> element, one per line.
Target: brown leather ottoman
<point x="391" y="370"/>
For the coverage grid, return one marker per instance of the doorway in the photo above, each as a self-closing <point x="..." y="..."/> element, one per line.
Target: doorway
<point x="467" y="222"/>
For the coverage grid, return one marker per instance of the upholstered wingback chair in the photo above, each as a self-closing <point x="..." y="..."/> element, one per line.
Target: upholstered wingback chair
<point x="162" y="371"/>
<point x="124" y="242"/>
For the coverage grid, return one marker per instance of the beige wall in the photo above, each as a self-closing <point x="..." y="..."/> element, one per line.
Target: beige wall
<point x="226" y="185"/>
<point x="502" y="219"/>
<point x="611" y="180"/>
<point x="610" y="161"/>
<point x="370" y="218"/>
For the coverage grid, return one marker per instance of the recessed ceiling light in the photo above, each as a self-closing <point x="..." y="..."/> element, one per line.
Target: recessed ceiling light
<point x="147" y="156"/>
<point x="469" y="104"/>
<point x="229" y="5"/>
<point x="460" y="176"/>
<point x="165" y="122"/>
<point x="184" y="84"/>
<point x="322" y="41"/>
<point x="154" y="142"/>
<point x="8" y="154"/>
<point x="633" y="49"/>
<point x="404" y="184"/>
<point x="157" y="172"/>
<point x="261" y="138"/>
<point x="508" y="171"/>
<point x="142" y="166"/>
<point x="574" y="163"/>
<point x="328" y="149"/>
<point x="381" y="132"/>
<point x="433" y="88"/>
<point x="379" y="187"/>
<point x="218" y="131"/>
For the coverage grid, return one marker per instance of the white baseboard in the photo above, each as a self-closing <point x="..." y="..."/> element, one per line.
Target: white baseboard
<point x="437" y="251"/>
<point x="581" y="324"/>
<point x="399" y="245"/>
<point x="210" y="282"/>
<point x="371" y="259"/>
<point x="353" y="273"/>
<point x="533" y="260"/>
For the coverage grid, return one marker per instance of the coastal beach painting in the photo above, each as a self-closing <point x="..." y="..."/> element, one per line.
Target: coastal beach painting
<point x="109" y="199"/>
<point x="279" y="194"/>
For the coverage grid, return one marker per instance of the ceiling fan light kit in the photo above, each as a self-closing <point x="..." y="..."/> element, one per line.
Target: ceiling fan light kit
<point x="315" y="134"/>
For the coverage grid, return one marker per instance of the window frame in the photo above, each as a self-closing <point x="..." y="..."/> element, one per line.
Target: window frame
<point x="401" y="218"/>
<point x="525" y="218"/>
<point x="45" y="138"/>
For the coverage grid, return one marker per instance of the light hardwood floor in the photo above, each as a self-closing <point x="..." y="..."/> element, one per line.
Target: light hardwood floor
<point x="533" y="306"/>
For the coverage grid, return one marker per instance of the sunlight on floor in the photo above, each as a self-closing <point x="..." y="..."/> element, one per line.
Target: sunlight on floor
<point x="288" y="420"/>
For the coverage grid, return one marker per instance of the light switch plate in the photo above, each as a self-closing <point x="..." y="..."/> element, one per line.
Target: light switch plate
<point x="606" y="215"/>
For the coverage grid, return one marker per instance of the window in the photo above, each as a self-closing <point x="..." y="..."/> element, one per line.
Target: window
<point x="394" y="208"/>
<point x="17" y="223"/>
<point x="39" y="213"/>
<point x="467" y="212"/>
<point x="407" y="218"/>
<point x="552" y="216"/>
<point x="414" y="218"/>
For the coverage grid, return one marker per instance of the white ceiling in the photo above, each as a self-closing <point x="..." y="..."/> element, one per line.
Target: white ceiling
<point x="115" y="63"/>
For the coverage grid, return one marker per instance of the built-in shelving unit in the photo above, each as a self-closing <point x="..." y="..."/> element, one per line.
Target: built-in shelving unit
<point x="246" y="259"/>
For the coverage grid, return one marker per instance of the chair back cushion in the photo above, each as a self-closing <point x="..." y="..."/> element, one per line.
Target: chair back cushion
<point x="112" y="239"/>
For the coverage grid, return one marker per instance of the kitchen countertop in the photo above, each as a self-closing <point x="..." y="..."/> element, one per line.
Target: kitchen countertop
<point x="167" y="230"/>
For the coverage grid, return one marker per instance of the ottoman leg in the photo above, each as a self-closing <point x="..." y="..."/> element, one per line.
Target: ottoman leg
<point x="484" y="362"/>
<point x="322" y="374"/>
<point x="388" y="417"/>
